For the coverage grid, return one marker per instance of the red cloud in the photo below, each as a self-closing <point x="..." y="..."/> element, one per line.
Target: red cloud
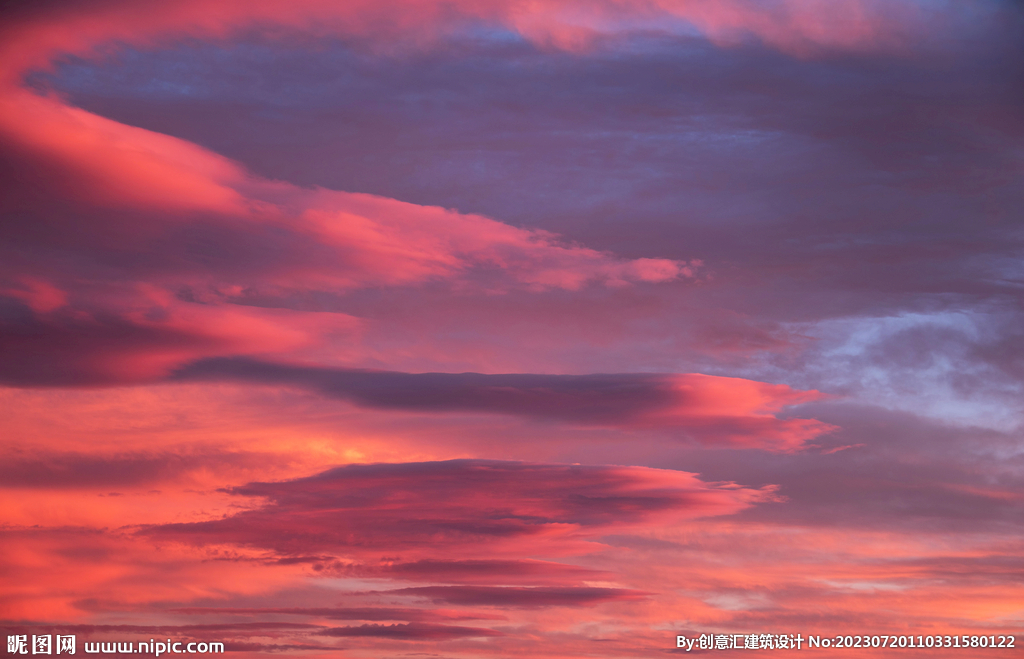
<point x="220" y="228"/>
<point x="349" y="613"/>
<point x="800" y="26"/>
<point x="709" y="409"/>
<point x="411" y="631"/>
<point x="466" y="508"/>
<point x="333" y="239"/>
<point x="141" y="335"/>
<point x="40" y="296"/>
<point x="513" y="596"/>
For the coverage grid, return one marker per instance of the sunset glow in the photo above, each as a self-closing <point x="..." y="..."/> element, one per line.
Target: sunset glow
<point x="486" y="328"/>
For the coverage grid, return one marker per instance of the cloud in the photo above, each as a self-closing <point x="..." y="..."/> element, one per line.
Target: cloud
<point x="487" y="571"/>
<point x="40" y="296"/>
<point x="161" y="343"/>
<point x="521" y="597"/>
<point x="245" y="627"/>
<point x="799" y="26"/>
<point x="81" y="184"/>
<point x="827" y="179"/>
<point x="347" y="613"/>
<point x="208" y="221"/>
<point x="411" y="631"/>
<point x="47" y="470"/>
<point x="321" y="238"/>
<point x="454" y="509"/>
<point x="168" y="237"/>
<point x="713" y="410"/>
<point x="896" y="472"/>
<point x="60" y="567"/>
<point x="141" y="336"/>
<point x="841" y="243"/>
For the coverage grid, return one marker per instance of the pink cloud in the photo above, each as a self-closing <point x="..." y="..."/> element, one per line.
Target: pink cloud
<point x="350" y="613"/>
<point x="336" y="240"/>
<point x="40" y="296"/>
<point x="123" y="334"/>
<point x="791" y="25"/>
<point x="458" y="508"/>
<point x="709" y="409"/>
<point x="186" y="506"/>
<point x="520" y="597"/>
<point x="360" y="240"/>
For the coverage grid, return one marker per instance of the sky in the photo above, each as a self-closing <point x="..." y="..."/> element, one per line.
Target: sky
<point x="489" y="328"/>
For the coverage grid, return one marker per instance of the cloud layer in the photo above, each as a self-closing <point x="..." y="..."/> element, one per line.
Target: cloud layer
<point x="457" y="507"/>
<point x="477" y="329"/>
